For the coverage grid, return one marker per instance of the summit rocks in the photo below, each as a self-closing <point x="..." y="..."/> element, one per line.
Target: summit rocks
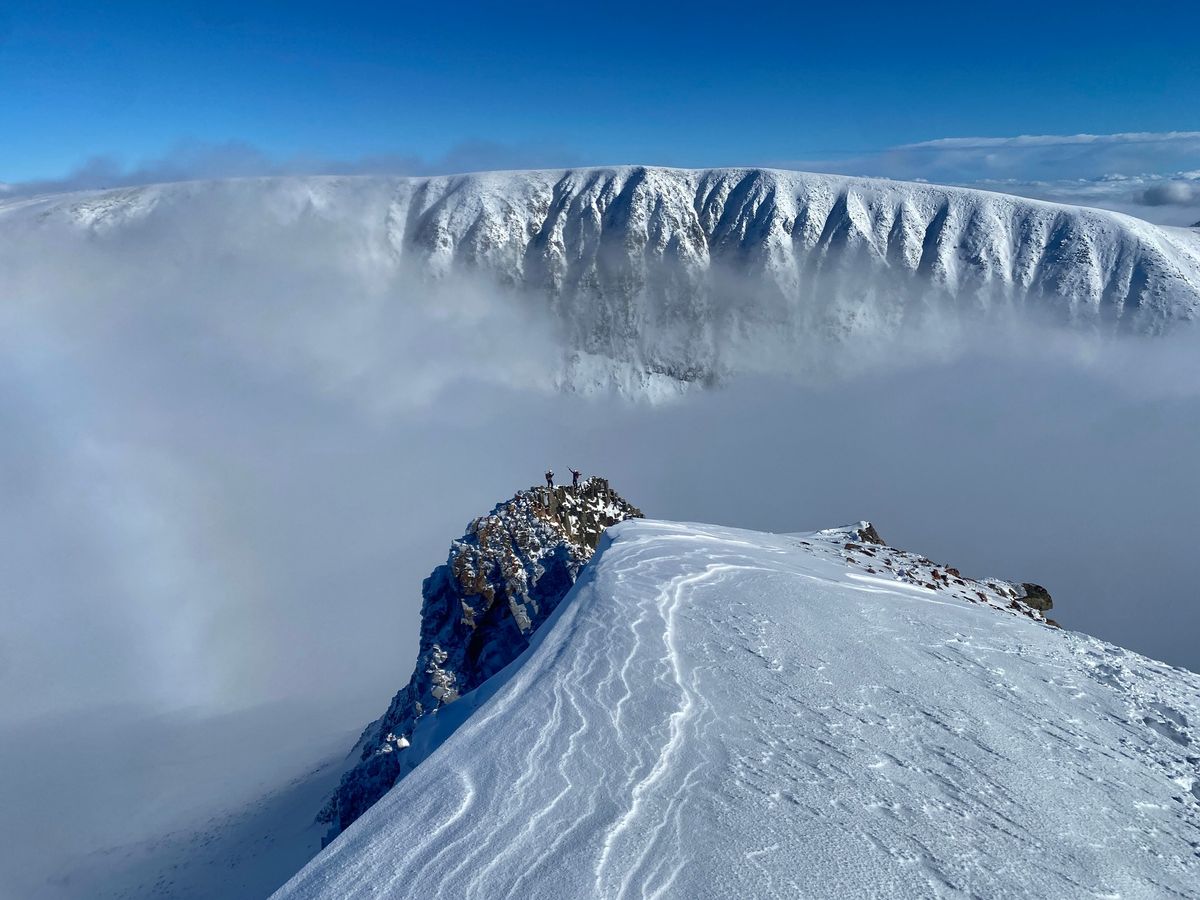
<point x="503" y="578"/>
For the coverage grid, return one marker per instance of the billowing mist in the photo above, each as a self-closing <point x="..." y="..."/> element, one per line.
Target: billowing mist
<point x="226" y="469"/>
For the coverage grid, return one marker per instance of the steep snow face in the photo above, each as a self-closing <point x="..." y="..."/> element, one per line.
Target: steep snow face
<point x="654" y="278"/>
<point x="504" y="577"/>
<point x="716" y="713"/>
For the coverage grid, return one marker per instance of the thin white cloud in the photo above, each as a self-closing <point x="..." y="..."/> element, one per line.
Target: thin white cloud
<point x="1154" y="175"/>
<point x="1037" y="157"/>
<point x="1172" y="199"/>
<point x="192" y="160"/>
<point x="1055" y="140"/>
<point x="1150" y="174"/>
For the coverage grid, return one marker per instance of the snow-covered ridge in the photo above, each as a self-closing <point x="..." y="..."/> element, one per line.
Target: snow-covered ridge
<point x="713" y="712"/>
<point x="503" y="578"/>
<point x="676" y="276"/>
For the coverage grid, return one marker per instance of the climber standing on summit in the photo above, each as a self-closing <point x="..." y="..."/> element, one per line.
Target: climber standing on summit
<point x="550" y="479"/>
<point x="575" y="473"/>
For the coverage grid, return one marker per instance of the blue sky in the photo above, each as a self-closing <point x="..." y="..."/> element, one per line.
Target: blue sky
<point x="513" y="84"/>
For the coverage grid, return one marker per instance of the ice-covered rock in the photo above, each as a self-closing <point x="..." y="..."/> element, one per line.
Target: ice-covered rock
<point x="502" y="579"/>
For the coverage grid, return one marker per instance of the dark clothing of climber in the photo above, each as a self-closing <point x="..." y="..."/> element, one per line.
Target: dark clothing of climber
<point x="575" y="473"/>
<point x="549" y="478"/>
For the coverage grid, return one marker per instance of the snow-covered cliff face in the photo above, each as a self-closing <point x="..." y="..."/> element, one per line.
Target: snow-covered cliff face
<point x="685" y="272"/>
<point x="504" y="577"/>
<point x="659" y="277"/>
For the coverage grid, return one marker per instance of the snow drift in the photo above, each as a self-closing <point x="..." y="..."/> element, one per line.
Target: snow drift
<point x="714" y="712"/>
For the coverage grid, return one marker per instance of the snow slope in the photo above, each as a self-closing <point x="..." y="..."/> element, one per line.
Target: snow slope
<point x="653" y="277"/>
<point x="715" y="713"/>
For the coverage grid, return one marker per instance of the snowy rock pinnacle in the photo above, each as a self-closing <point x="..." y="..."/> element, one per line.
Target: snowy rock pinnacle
<point x="503" y="578"/>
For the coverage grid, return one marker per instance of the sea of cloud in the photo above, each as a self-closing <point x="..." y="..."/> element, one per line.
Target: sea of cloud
<point x="230" y="458"/>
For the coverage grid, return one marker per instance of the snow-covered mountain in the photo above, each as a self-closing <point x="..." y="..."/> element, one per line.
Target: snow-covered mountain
<point x="712" y="712"/>
<point x="651" y="278"/>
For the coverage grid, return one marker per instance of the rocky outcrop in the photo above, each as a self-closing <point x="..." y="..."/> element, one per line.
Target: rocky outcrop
<point x="867" y="534"/>
<point x="503" y="578"/>
<point x="862" y="547"/>
<point x="1036" y="597"/>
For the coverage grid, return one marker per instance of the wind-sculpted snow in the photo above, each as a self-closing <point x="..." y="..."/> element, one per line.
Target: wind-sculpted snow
<point x="722" y="713"/>
<point x="656" y="278"/>
<point x="504" y="577"/>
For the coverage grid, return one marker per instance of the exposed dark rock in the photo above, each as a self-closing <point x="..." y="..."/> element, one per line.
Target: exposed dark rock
<point x="868" y="534"/>
<point x="854" y="546"/>
<point x="503" y="579"/>
<point x="1036" y="597"/>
